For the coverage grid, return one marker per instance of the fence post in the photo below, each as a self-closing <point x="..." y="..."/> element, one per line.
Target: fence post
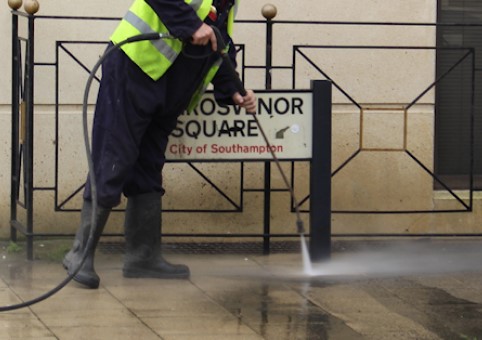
<point x="269" y="12"/>
<point x="15" y="124"/>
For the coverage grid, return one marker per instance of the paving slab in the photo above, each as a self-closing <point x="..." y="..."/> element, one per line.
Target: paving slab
<point x="430" y="289"/>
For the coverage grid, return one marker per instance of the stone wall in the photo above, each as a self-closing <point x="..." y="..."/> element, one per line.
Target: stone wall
<point x="373" y="89"/>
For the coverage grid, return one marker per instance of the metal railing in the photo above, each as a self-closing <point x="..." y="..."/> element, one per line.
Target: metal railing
<point x="23" y="124"/>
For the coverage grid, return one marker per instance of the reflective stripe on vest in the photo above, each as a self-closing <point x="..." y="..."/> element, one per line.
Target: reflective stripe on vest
<point x="161" y="45"/>
<point x="232" y="15"/>
<point x="153" y="57"/>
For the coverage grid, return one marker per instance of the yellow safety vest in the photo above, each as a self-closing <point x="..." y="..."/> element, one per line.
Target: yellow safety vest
<point x="155" y="57"/>
<point x="214" y="69"/>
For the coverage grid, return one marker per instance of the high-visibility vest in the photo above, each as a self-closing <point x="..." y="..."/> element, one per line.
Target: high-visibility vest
<point x="156" y="56"/>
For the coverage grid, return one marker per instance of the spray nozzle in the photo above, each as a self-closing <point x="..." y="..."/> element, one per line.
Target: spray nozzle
<point x="300" y="227"/>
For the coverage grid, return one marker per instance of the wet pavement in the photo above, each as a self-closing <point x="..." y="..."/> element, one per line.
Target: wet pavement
<point x="423" y="289"/>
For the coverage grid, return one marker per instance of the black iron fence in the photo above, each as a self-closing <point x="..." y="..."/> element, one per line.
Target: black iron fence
<point x="25" y="64"/>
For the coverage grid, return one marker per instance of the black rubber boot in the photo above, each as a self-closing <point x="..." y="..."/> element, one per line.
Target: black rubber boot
<point x="86" y="275"/>
<point x="143" y="241"/>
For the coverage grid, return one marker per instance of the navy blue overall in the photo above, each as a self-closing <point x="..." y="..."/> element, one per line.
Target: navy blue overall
<point x="134" y="116"/>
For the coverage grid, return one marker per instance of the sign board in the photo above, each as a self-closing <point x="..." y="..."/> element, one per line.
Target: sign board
<point x="213" y="132"/>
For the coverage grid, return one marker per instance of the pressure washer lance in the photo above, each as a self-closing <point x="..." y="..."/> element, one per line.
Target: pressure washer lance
<point x="242" y="91"/>
<point x="234" y="75"/>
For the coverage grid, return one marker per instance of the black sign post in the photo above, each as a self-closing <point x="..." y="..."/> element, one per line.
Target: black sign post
<point x="320" y="172"/>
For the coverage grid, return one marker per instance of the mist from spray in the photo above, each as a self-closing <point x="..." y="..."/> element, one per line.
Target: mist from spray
<point x="360" y="259"/>
<point x="305" y="256"/>
<point x="404" y="258"/>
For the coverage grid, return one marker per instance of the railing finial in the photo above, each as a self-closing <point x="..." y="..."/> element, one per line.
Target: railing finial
<point x="31" y="6"/>
<point x="269" y="11"/>
<point x="15" y="4"/>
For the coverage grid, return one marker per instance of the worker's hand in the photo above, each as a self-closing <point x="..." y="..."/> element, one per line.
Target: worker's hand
<point x="205" y="35"/>
<point x="248" y="101"/>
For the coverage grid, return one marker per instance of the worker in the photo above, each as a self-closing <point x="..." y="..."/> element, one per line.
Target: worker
<point x="145" y="87"/>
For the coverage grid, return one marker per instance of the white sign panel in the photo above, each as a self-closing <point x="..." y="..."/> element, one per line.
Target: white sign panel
<point x="212" y="132"/>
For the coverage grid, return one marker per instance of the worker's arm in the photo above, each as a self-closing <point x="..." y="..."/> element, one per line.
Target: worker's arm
<point x="182" y="22"/>
<point x="226" y="91"/>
